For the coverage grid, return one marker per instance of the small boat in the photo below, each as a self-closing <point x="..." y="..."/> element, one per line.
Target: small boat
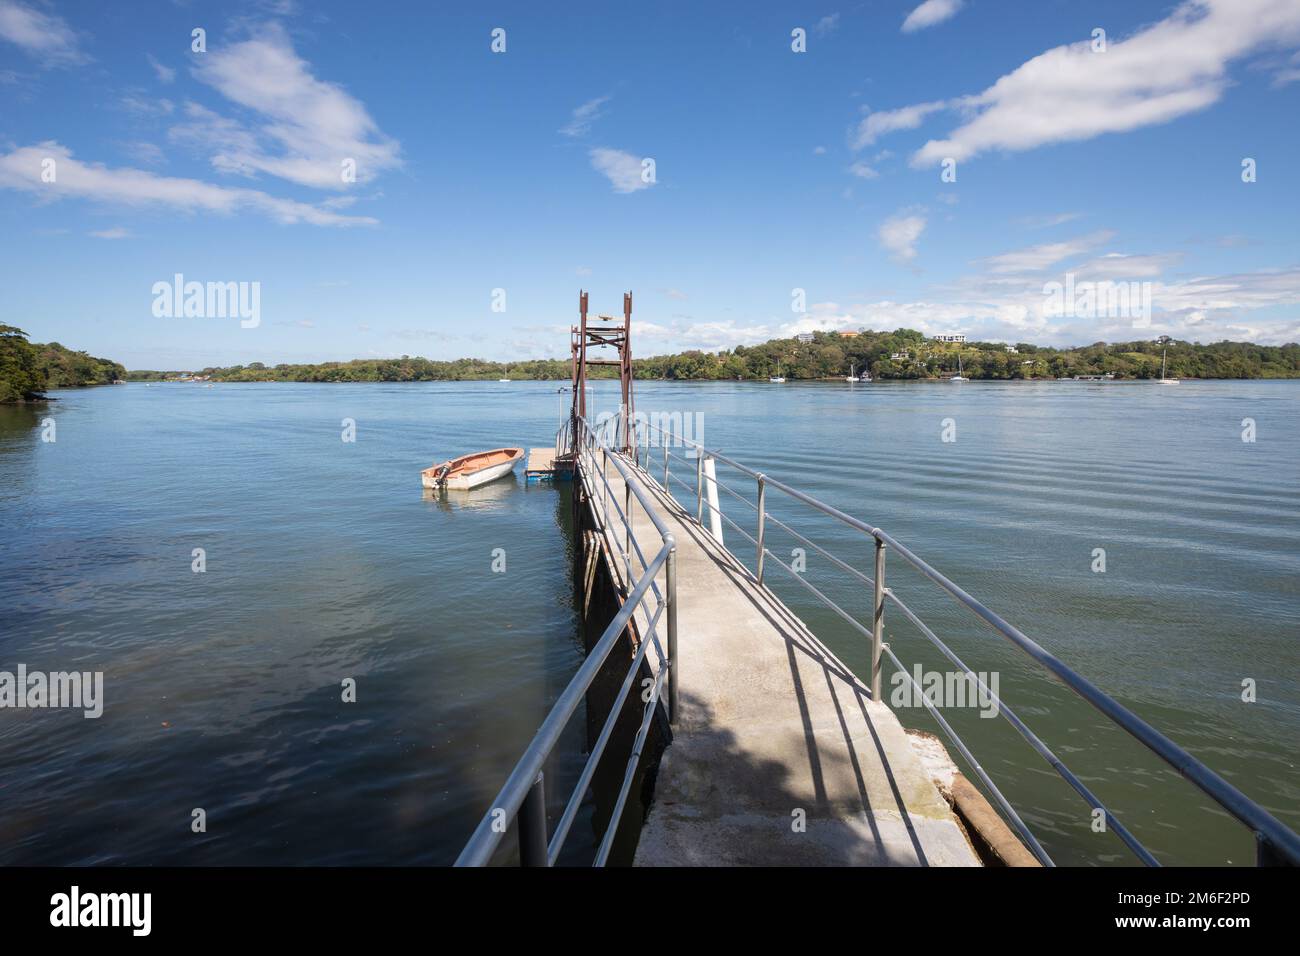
<point x="470" y="471"/>
<point x="778" y="378"/>
<point x="959" y="377"/>
<point x="853" y="374"/>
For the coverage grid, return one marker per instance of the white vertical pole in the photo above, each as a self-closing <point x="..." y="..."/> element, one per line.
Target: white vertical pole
<point x="711" y="483"/>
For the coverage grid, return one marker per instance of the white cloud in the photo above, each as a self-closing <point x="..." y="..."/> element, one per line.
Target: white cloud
<point x="886" y="121"/>
<point x="863" y="171"/>
<point x="1242" y="291"/>
<point x="144" y="152"/>
<point x="623" y="170"/>
<point x="22" y="168"/>
<point x="1164" y="71"/>
<point x="827" y="25"/>
<point x="1035" y="258"/>
<point x="165" y="73"/>
<point x="1289" y="72"/>
<point x="309" y="126"/>
<point x="44" y="36"/>
<point x="997" y="307"/>
<point x="707" y="336"/>
<point x="117" y="232"/>
<point x="580" y="123"/>
<point x="1257" y="306"/>
<point x="930" y="13"/>
<point x="227" y="139"/>
<point x="1120" y="267"/>
<point x="1043" y="222"/>
<point x="899" y="234"/>
<point x="145" y="107"/>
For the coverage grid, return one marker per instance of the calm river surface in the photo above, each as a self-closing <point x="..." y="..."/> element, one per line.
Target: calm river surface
<point x="325" y="561"/>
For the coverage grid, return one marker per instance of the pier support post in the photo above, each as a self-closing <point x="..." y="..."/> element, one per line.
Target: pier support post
<point x="532" y="825"/>
<point x="878" y="621"/>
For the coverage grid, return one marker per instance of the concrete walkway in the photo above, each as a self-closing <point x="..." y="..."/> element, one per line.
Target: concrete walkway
<point x="774" y="732"/>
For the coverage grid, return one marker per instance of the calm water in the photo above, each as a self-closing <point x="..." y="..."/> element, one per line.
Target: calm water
<point x="326" y="561"/>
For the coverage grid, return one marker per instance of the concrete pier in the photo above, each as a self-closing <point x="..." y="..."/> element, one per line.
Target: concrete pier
<point x="779" y="755"/>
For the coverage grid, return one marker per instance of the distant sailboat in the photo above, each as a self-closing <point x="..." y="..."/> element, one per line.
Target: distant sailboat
<point x="1164" y="359"/>
<point x="507" y="378"/>
<point x="959" y="377"/>
<point x="777" y="379"/>
<point x="853" y="374"/>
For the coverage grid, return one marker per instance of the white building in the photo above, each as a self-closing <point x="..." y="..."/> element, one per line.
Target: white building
<point x="951" y="337"/>
<point x="1013" y="350"/>
<point x="804" y="336"/>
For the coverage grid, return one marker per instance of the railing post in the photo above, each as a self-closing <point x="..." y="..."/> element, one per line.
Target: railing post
<point x="661" y="438"/>
<point x="532" y="825"/>
<point x="699" y="486"/>
<point x="627" y="520"/>
<point x="762" y="522"/>
<point x="878" y="622"/>
<point x="671" y="582"/>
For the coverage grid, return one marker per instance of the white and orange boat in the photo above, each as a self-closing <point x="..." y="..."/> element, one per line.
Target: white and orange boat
<point x="470" y="471"/>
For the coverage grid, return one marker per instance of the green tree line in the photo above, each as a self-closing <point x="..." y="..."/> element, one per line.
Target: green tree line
<point x="901" y="354"/>
<point x="28" y="370"/>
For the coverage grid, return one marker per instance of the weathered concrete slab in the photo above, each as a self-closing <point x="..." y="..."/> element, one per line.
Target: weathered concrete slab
<point x="775" y="731"/>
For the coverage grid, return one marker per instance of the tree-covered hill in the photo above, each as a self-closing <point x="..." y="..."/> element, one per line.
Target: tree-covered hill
<point x="27" y="370"/>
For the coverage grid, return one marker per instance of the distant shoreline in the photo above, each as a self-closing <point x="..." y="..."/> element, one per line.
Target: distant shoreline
<point x="901" y="355"/>
<point x="563" y="383"/>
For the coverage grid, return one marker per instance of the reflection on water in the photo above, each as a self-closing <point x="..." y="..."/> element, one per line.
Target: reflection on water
<point x="325" y="560"/>
<point x="487" y="496"/>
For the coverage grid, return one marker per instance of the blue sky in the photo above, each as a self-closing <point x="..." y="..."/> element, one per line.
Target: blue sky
<point x="774" y="170"/>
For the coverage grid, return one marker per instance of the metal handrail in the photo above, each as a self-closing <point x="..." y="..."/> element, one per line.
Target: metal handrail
<point x="523" y="796"/>
<point x="1276" y="843"/>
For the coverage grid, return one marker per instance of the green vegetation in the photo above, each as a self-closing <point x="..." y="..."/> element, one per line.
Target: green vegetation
<point x="908" y="354"/>
<point x="28" y="370"/>
<point x="21" y="377"/>
<point x="902" y="354"/>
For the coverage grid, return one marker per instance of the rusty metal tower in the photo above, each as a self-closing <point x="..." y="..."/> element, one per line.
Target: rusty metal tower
<point x="602" y="332"/>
